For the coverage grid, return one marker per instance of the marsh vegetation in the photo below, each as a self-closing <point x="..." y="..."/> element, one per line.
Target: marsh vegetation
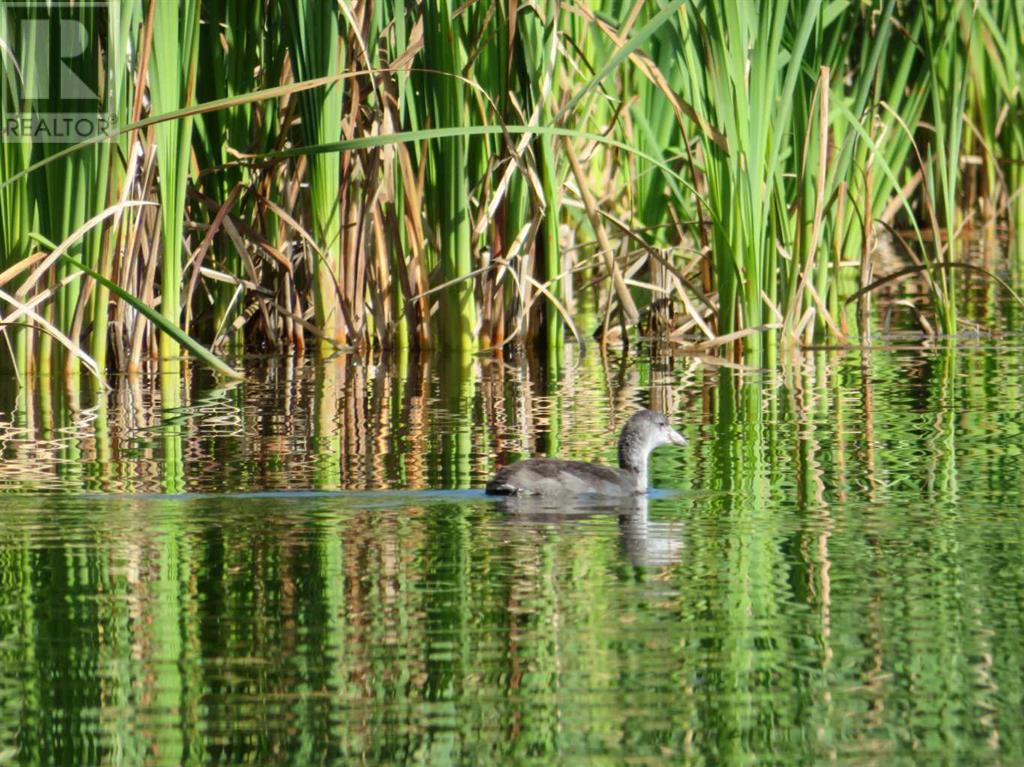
<point x="478" y="175"/>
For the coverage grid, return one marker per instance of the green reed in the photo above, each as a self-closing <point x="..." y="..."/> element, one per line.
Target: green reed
<point x="15" y="157"/>
<point x="72" y="187"/>
<point x="443" y="102"/>
<point x="997" y="77"/>
<point x="232" y="48"/>
<point x="314" y="31"/>
<point x="947" y="74"/>
<point x="539" y="29"/>
<point x="743" y="63"/>
<point x="175" y="30"/>
<point x="124" y="18"/>
<point x="875" y="140"/>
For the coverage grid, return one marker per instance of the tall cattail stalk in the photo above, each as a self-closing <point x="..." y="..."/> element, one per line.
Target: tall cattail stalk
<point x="445" y="104"/>
<point x="175" y="42"/>
<point x="314" y="33"/>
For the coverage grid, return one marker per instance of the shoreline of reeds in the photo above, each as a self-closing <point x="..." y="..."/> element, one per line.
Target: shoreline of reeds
<point x="732" y="178"/>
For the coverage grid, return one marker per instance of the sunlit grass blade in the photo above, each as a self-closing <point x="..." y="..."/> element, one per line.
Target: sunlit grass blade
<point x="443" y="101"/>
<point x="172" y="86"/>
<point x="947" y="73"/>
<point x="314" y="29"/>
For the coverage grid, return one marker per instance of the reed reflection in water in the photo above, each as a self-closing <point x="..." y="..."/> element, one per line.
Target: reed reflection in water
<point x="831" y="569"/>
<point x="348" y="423"/>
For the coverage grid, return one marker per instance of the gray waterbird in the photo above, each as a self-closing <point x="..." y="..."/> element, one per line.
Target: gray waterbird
<point x="642" y="433"/>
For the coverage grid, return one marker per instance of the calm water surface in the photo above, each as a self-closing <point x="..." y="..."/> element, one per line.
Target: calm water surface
<point x="301" y="569"/>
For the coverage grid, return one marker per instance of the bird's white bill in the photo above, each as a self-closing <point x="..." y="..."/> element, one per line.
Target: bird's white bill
<point x="676" y="437"/>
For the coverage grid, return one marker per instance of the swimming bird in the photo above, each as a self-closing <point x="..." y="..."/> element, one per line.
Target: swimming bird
<point x="642" y="433"/>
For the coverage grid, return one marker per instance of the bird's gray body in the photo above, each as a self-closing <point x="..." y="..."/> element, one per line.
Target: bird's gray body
<point x="551" y="476"/>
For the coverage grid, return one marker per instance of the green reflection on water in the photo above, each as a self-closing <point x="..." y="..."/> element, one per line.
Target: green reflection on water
<point x="837" y="576"/>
